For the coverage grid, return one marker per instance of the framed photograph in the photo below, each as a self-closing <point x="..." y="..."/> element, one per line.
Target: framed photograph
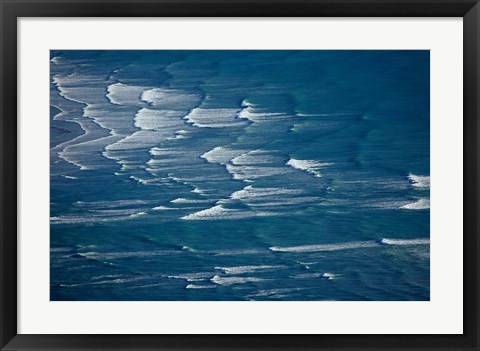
<point x="239" y="175"/>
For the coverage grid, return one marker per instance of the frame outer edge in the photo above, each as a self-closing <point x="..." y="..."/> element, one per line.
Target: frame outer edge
<point x="8" y="175"/>
<point x="471" y="248"/>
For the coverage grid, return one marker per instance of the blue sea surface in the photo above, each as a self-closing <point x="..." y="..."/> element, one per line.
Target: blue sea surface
<point x="240" y="175"/>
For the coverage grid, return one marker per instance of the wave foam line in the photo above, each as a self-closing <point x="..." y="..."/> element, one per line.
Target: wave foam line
<point x="417" y="181"/>
<point x="123" y="94"/>
<point x="193" y="277"/>
<point x="170" y="99"/>
<point x="192" y="286"/>
<point x="421" y="204"/>
<point x="351" y="245"/>
<point x="326" y="247"/>
<point x="308" y="166"/>
<point x="218" y="212"/>
<point x="221" y="155"/>
<point x="405" y="242"/>
<point x="214" y="118"/>
<point x="246" y="269"/>
<point x="226" y="281"/>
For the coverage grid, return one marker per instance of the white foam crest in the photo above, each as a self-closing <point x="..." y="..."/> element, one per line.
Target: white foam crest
<point x="141" y="180"/>
<point x="192" y="286"/>
<point x="123" y="94"/>
<point x="127" y="254"/>
<point x="56" y="60"/>
<point x="114" y="212"/>
<point x="308" y="276"/>
<point x="310" y="166"/>
<point x="247" y="269"/>
<point x="68" y="177"/>
<point x="142" y="139"/>
<point x="420" y="182"/>
<point x="193" y="277"/>
<point x="139" y="214"/>
<point x="326" y="247"/>
<point x="252" y="114"/>
<point x="60" y="82"/>
<point x="256" y="157"/>
<point x="250" y="192"/>
<point x="214" y="118"/>
<point x="276" y="203"/>
<point x="111" y="204"/>
<point x="221" y="155"/>
<point x="404" y="242"/>
<point x="63" y="113"/>
<point x="254" y="172"/>
<point x="180" y="134"/>
<point x="117" y="120"/>
<point x="163" y="208"/>
<point x="421" y="204"/>
<point x="226" y="281"/>
<point x="171" y="99"/>
<point x="166" y="120"/>
<point x="246" y="103"/>
<point x="329" y="276"/>
<point x="157" y="151"/>
<point x="105" y="282"/>
<point x="218" y="212"/>
<point x="82" y="88"/>
<point x="182" y="200"/>
<point x="85" y="154"/>
<point x="199" y="191"/>
<point x="238" y="252"/>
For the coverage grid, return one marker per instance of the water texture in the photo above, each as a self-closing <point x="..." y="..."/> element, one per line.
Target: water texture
<point x="240" y="175"/>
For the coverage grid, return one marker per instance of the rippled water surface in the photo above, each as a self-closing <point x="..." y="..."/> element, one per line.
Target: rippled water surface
<point x="240" y="175"/>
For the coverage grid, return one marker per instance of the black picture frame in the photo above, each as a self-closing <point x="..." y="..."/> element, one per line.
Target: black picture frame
<point x="11" y="10"/>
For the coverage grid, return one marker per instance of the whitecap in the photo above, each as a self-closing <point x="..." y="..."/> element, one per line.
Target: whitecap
<point x="421" y="204"/>
<point x="420" y="182"/>
<point x="134" y="215"/>
<point x="253" y="115"/>
<point x="309" y="166"/>
<point x="123" y="94"/>
<point x="246" y="269"/>
<point x="235" y="280"/>
<point x="326" y="247"/>
<point x="127" y="254"/>
<point x="256" y="157"/>
<point x="214" y="118"/>
<point x="328" y="276"/>
<point x="254" y="172"/>
<point x="165" y="120"/>
<point x="170" y="99"/>
<point x="56" y="60"/>
<point x="192" y="286"/>
<point x="221" y="155"/>
<point x="68" y="177"/>
<point x="238" y="252"/>
<point x="192" y="277"/>
<point x="250" y="192"/>
<point x="218" y="212"/>
<point x="404" y="242"/>
<point x="163" y="208"/>
<point x="190" y="201"/>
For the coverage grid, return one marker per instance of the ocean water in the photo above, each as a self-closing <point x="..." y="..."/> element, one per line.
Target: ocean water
<point x="240" y="175"/>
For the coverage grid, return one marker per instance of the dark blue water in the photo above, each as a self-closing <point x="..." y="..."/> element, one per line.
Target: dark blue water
<point x="240" y="175"/>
